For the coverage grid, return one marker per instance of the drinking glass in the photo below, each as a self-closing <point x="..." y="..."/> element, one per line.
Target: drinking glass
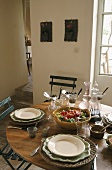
<point x="72" y="99"/>
<point x="32" y="131"/>
<point x="51" y="108"/>
<point x="82" y="129"/>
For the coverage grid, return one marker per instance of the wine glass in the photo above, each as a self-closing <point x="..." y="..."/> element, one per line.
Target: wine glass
<point x="51" y="108"/>
<point x="100" y="96"/>
<point x="52" y="97"/>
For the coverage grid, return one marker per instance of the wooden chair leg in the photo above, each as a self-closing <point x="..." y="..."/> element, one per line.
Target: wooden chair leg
<point x="28" y="66"/>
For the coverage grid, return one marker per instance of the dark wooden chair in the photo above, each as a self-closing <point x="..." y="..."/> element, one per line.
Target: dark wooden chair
<point x="62" y="81"/>
<point x="6" y="151"/>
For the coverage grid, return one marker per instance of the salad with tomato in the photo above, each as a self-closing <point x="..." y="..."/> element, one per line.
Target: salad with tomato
<point x="72" y="115"/>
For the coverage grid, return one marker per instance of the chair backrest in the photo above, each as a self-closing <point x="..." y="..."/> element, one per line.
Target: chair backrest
<point x="7" y="107"/>
<point x="60" y="81"/>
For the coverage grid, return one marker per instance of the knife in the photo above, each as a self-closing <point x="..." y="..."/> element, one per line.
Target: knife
<point x="94" y="166"/>
<point x="34" y="151"/>
<point x="13" y="127"/>
<point x="16" y="127"/>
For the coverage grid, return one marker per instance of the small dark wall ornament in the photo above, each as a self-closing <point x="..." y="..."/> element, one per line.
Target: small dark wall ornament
<point x="71" y="30"/>
<point x="46" y="31"/>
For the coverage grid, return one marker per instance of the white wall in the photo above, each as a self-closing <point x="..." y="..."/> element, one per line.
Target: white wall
<point x="58" y="57"/>
<point x="13" y="69"/>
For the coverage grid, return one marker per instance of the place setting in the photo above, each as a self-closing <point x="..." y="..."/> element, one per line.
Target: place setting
<point x="27" y="116"/>
<point x="67" y="151"/>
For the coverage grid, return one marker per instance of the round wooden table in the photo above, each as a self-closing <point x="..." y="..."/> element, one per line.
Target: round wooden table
<point x="23" y="145"/>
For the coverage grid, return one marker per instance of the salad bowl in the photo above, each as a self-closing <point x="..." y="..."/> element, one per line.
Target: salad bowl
<point x="71" y="117"/>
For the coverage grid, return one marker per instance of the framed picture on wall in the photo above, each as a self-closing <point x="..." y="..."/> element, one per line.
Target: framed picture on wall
<point x="46" y="31"/>
<point x="71" y="30"/>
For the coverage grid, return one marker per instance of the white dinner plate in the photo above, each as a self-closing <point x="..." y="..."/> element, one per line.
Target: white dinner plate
<point x="27" y="113"/>
<point x="73" y="159"/>
<point x="66" y="145"/>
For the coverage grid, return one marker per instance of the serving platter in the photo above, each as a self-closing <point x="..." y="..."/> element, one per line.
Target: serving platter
<point x="65" y="164"/>
<point x="27" y="113"/>
<point x="66" y="145"/>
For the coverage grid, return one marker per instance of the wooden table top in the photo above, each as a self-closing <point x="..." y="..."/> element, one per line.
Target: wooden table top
<point x="23" y="145"/>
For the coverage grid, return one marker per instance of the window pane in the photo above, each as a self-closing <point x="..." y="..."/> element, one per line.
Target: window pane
<point x="106" y="60"/>
<point x="108" y="6"/>
<point x="107" y="30"/>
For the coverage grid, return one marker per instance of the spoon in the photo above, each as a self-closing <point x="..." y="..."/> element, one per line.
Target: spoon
<point x="79" y="92"/>
<point x="60" y="92"/>
<point x="105" y="90"/>
<point x="104" y="128"/>
<point x="48" y="96"/>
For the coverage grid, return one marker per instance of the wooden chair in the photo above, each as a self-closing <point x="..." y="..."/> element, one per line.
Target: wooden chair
<point x="6" y="151"/>
<point x="62" y="81"/>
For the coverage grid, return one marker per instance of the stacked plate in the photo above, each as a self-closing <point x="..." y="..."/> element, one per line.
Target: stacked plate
<point x="65" y="150"/>
<point x="26" y="116"/>
<point x="107" y="119"/>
